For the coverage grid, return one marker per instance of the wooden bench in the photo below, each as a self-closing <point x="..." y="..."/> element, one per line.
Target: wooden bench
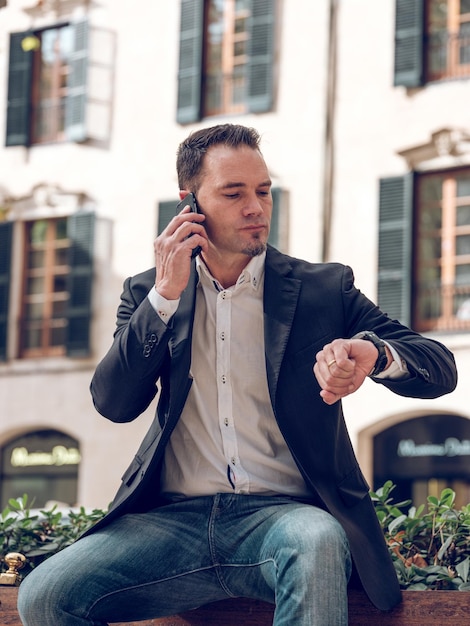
<point x="419" y="608"/>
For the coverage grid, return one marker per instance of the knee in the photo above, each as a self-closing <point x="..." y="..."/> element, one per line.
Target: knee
<point x="328" y="539"/>
<point x="315" y="529"/>
<point x="45" y="588"/>
<point x="29" y="593"/>
<point x="317" y="537"/>
<point x="328" y="532"/>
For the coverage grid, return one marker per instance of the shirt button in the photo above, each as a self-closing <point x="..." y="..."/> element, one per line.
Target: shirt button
<point x="222" y="335"/>
<point x="226" y="421"/>
<point x="233" y="461"/>
<point x="224" y="379"/>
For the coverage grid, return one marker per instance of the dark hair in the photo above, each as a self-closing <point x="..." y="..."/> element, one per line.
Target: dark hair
<point x="191" y="152"/>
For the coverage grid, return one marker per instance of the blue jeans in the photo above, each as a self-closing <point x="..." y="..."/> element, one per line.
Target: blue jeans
<point x="186" y="554"/>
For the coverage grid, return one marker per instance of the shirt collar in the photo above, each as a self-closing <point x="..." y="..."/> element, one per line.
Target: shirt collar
<point x="252" y="274"/>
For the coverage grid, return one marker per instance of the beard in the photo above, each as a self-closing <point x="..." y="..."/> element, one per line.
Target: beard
<point x="255" y="247"/>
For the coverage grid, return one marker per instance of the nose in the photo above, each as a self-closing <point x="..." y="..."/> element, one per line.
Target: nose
<point x="253" y="206"/>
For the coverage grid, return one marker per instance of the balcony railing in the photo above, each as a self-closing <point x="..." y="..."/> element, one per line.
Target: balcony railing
<point x="48" y="118"/>
<point x="444" y="307"/>
<point x="225" y="93"/>
<point x="448" y="55"/>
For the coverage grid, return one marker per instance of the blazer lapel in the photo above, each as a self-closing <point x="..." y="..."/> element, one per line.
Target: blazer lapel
<point x="280" y="302"/>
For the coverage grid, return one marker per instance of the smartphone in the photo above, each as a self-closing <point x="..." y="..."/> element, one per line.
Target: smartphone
<point x="190" y="200"/>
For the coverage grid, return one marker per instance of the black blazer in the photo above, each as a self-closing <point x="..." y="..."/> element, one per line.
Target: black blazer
<point x="305" y="306"/>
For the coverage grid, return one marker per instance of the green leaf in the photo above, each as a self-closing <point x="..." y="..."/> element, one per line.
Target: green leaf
<point x="395" y="511"/>
<point x="447" y="497"/>
<point x="14" y="505"/>
<point x="444" y="547"/>
<point x="463" y="569"/>
<point x="396" y="523"/>
<point x="417" y="587"/>
<point x="420" y="510"/>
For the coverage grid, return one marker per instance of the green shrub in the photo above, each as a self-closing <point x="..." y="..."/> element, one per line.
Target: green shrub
<point x="430" y="546"/>
<point x="39" y="535"/>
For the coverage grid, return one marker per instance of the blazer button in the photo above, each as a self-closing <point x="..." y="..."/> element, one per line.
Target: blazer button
<point x="153" y="338"/>
<point x="147" y="350"/>
<point x="424" y="373"/>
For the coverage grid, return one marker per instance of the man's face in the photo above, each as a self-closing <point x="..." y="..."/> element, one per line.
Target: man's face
<point x="235" y="197"/>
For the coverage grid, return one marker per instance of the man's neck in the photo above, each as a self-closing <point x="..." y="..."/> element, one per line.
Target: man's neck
<point x="227" y="270"/>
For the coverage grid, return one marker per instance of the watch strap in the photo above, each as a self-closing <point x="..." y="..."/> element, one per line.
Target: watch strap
<point x="382" y="359"/>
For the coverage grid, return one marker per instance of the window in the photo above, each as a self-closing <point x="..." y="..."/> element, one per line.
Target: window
<point x="443" y="251"/>
<point x="226" y="58"/>
<point x="57" y="273"/>
<point x="45" y="295"/>
<point x="50" y="89"/>
<point x="6" y="237"/>
<point x="448" y="31"/>
<point x="424" y="250"/>
<point x="423" y="455"/>
<point x="432" y="41"/>
<point x="47" y="85"/>
<point x="43" y="464"/>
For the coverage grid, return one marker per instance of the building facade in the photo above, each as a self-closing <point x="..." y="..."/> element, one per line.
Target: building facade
<point x="367" y="136"/>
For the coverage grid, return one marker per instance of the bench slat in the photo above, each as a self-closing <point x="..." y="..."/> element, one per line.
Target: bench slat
<point x="435" y="608"/>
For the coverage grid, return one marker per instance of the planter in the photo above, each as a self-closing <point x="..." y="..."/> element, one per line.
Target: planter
<point x="432" y="608"/>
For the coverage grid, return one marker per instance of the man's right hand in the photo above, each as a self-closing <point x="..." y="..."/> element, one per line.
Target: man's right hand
<point x="173" y="248"/>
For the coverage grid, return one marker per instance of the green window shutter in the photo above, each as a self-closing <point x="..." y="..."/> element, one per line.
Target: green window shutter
<point x="6" y="236"/>
<point x="76" y="101"/>
<point x="274" y="231"/>
<point x="409" y="37"/>
<point x="166" y="212"/>
<point x="260" y="66"/>
<point x="19" y="92"/>
<point x="395" y="246"/>
<point x="80" y="229"/>
<point x="190" y="61"/>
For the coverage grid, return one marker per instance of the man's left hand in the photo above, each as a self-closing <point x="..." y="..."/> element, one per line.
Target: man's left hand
<point x="342" y="366"/>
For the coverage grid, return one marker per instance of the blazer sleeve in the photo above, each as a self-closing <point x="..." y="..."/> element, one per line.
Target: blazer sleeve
<point x="125" y="381"/>
<point x="430" y="363"/>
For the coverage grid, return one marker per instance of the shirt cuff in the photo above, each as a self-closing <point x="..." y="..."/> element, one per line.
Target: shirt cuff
<point x="397" y="368"/>
<point x="164" y="308"/>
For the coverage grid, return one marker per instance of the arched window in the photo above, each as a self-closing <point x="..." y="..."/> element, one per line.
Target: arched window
<point x="42" y="464"/>
<point x="424" y="455"/>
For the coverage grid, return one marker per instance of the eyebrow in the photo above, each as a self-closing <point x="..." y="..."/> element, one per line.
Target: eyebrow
<point x="231" y="185"/>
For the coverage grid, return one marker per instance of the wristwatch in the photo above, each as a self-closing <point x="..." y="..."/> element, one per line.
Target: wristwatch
<point x="382" y="359"/>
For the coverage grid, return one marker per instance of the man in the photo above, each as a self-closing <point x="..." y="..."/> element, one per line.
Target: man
<point x="246" y="483"/>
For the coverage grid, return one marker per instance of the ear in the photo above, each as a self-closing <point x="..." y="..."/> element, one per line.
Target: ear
<point x="183" y="193"/>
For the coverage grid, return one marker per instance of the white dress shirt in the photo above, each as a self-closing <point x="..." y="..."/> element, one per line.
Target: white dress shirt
<point x="227" y="438"/>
